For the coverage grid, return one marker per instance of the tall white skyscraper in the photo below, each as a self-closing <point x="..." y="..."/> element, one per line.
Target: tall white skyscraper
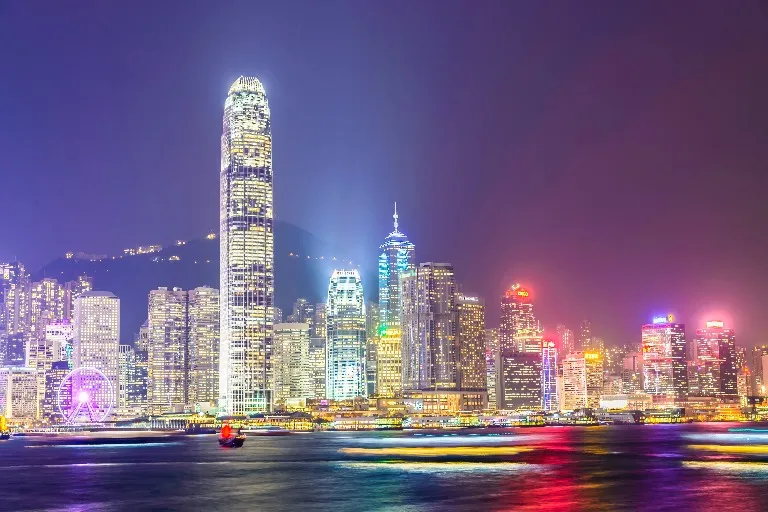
<point x="97" y="335"/>
<point x="345" y="342"/>
<point x="247" y="250"/>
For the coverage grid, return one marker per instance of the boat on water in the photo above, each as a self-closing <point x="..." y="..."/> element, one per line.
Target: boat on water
<point x="232" y="441"/>
<point x="4" y="436"/>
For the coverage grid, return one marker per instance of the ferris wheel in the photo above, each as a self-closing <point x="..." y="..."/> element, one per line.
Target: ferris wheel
<point x="85" y="395"/>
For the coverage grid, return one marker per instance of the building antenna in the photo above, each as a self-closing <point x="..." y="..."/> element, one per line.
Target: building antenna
<point x="395" y="217"/>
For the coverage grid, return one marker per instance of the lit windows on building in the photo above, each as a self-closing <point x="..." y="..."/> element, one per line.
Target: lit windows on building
<point x="345" y="340"/>
<point x="521" y="381"/>
<point x="470" y="343"/>
<point x="291" y="362"/>
<point x="549" y="377"/>
<point x="715" y="361"/>
<point x="203" y="345"/>
<point x="168" y="350"/>
<point x="574" y="382"/>
<point x="665" y="371"/>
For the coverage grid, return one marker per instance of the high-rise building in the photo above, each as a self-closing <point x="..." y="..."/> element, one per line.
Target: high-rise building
<point x="72" y="290"/>
<point x="345" y="341"/>
<point x="42" y="354"/>
<point x="59" y="336"/>
<point x="320" y="323"/>
<point x="13" y="349"/>
<point x="389" y="363"/>
<point x="470" y="343"/>
<point x="567" y="340"/>
<point x="54" y="376"/>
<point x="136" y="390"/>
<point x="519" y="330"/>
<point x="168" y="349"/>
<point x="46" y="306"/>
<point x="549" y="401"/>
<point x="203" y="349"/>
<point x="715" y="360"/>
<point x="585" y="335"/>
<point x="303" y="313"/>
<point x="574" y="382"/>
<point x="665" y="369"/>
<point x="16" y="298"/>
<point x="632" y="373"/>
<point x="97" y="337"/>
<point x="429" y="352"/>
<point x="291" y="362"/>
<point x="371" y="342"/>
<point x="246" y="238"/>
<point x="277" y="318"/>
<point x="124" y="360"/>
<point x="491" y="359"/>
<point x="593" y="363"/>
<point x="317" y="367"/>
<point x="521" y="381"/>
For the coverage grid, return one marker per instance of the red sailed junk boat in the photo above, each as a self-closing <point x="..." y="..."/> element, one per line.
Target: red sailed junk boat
<point x="229" y="438"/>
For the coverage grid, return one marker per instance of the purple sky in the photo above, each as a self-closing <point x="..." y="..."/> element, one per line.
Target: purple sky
<point x="610" y="156"/>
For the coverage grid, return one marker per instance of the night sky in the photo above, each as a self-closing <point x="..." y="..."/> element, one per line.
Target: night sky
<point x="612" y="157"/>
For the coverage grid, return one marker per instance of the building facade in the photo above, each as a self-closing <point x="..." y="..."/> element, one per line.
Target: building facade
<point x="345" y="341"/>
<point x="203" y="345"/>
<point x="167" y="350"/>
<point x="292" y="363"/>
<point x="246" y="238"/>
<point x="549" y="401"/>
<point x="715" y="361"/>
<point x="470" y="343"/>
<point x="665" y="369"/>
<point x="521" y="381"/>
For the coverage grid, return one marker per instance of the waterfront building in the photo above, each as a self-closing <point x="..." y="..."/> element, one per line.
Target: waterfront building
<point x="519" y="330"/>
<point x="246" y="237"/>
<point x="42" y="354"/>
<point x="715" y="361"/>
<point x="470" y="343"/>
<point x="574" y="382"/>
<point x="125" y="360"/>
<point x="291" y="362"/>
<point x="521" y="381"/>
<point x="549" y="377"/>
<point x="593" y="363"/>
<point x="665" y="371"/>
<point x="444" y="402"/>
<point x="491" y="357"/>
<point x="167" y="350"/>
<point x="316" y="359"/>
<point x="395" y="260"/>
<point x="203" y="345"/>
<point x="97" y="336"/>
<point x="345" y="341"/>
<point x="18" y="393"/>
<point x="429" y="353"/>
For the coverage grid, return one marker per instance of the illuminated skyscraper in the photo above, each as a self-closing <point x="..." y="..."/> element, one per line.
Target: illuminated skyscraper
<point x="291" y="362"/>
<point x="593" y="363"/>
<point x="470" y="343"/>
<point x="246" y="250"/>
<point x="491" y="359"/>
<point x="203" y="345"/>
<point x="72" y="290"/>
<point x="632" y="373"/>
<point x="521" y="381"/>
<point x="665" y="369"/>
<point x="46" y="306"/>
<point x="321" y="322"/>
<point x="18" y="393"/>
<point x="97" y="336"/>
<point x="519" y="329"/>
<point x="303" y="312"/>
<point x="168" y="349"/>
<point x="429" y="352"/>
<point x="715" y="360"/>
<point x="567" y="340"/>
<point x="574" y="382"/>
<point x="549" y="377"/>
<point x="53" y="378"/>
<point x="395" y="260"/>
<point x="371" y="342"/>
<point x="345" y="341"/>
<point x="585" y="336"/>
<point x="316" y="355"/>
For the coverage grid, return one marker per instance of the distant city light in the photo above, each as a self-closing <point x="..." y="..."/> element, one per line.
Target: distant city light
<point x="715" y="323"/>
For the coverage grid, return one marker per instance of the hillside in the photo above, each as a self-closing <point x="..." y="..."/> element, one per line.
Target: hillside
<point x="299" y="272"/>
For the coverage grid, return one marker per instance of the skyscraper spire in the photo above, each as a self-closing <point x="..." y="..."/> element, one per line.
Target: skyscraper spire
<point x="395" y="217"/>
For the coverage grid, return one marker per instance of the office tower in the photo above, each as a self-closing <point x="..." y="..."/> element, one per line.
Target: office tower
<point x="97" y="337"/>
<point x="72" y="290"/>
<point x="743" y="383"/>
<point x="291" y="362"/>
<point x="320" y="324"/>
<point x="519" y="329"/>
<point x="345" y="341"/>
<point x="664" y="358"/>
<point x="756" y="365"/>
<point x="741" y="357"/>
<point x="42" y="354"/>
<point x="632" y="373"/>
<point x="60" y="335"/>
<point x="246" y="250"/>
<point x="715" y="360"/>
<point x="16" y="298"/>
<point x="13" y="349"/>
<point x="521" y="381"/>
<point x="141" y="340"/>
<point x="168" y="349"/>
<point x="429" y="352"/>
<point x="396" y="259"/>
<point x="277" y="318"/>
<point x="470" y="343"/>
<point x="46" y="306"/>
<point x="585" y="335"/>
<point x="53" y="379"/>
<point x="137" y="374"/>
<point x="203" y="348"/>
<point x="593" y="363"/>
<point x="491" y="358"/>
<point x="371" y="343"/>
<point x="317" y="367"/>
<point x="567" y="340"/>
<point x="303" y="312"/>
<point x="596" y="344"/>
<point x="574" y="382"/>
<point x="18" y="393"/>
<point x="549" y="377"/>
<point x="124" y="361"/>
